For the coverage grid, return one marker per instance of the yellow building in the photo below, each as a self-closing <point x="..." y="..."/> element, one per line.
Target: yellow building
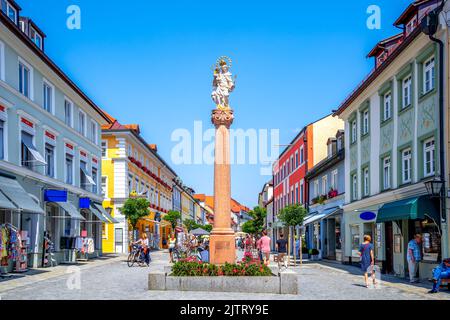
<point x="130" y="164"/>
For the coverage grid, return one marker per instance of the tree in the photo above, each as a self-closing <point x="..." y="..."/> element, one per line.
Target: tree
<point x="134" y="209"/>
<point x="173" y="217"/>
<point x="256" y="224"/>
<point x="292" y="216"/>
<point x="190" y="224"/>
<point x="207" y="227"/>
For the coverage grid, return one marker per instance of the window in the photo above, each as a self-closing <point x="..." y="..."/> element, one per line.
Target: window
<point x="24" y="80"/>
<point x="302" y="189"/>
<point x="130" y="153"/>
<point x="387" y="106"/>
<point x="429" y="165"/>
<point x="10" y="11"/>
<point x="104" y="149"/>
<point x="316" y="188"/>
<point x="296" y="159"/>
<point x="365" y="122"/>
<point x="354" y="131"/>
<point x="407" y="91"/>
<point x="68" y="108"/>
<point x="36" y="38"/>
<point x="82" y="123"/>
<point x="386" y="173"/>
<point x="334" y="179"/>
<point x="366" y="182"/>
<point x="94" y="135"/>
<point x="69" y="169"/>
<point x="406" y="165"/>
<point x="354" y="187"/>
<point x="29" y="153"/>
<point x="302" y="156"/>
<point x="428" y="75"/>
<point x="94" y="177"/>
<point x="48" y="97"/>
<point x="324" y="185"/>
<point x="296" y="194"/>
<point x="2" y="61"/>
<point x="85" y="179"/>
<point x="50" y="159"/>
<point x="2" y="140"/>
<point x="292" y="163"/>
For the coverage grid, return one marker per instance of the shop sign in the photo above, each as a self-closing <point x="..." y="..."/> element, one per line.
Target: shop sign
<point x="85" y="203"/>
<point x="55" y="195"/>
<point x="368" y="216"/>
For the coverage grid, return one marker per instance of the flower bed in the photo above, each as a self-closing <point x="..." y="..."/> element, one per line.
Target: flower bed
<point x="191" y="267"/>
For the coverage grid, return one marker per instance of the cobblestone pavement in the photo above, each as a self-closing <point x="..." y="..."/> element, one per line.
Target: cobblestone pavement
<point x="112" y="279"/>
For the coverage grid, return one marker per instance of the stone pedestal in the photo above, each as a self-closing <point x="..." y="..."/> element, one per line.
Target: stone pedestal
<point x="222" y="240"/>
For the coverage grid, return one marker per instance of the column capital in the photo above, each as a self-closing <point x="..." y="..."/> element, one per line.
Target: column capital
<point x="222" y="117"/>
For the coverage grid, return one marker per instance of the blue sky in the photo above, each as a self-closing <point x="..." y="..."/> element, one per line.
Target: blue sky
<point x="149" y="62"/>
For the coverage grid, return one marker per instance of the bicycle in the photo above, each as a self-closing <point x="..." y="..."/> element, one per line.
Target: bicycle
<point x="136" y="256"/>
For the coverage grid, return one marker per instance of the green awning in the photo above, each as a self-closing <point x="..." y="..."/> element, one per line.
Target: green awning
<point x="409" y="209"/>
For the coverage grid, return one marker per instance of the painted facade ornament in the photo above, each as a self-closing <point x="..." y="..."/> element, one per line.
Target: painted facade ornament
<point x="223" y="83"/>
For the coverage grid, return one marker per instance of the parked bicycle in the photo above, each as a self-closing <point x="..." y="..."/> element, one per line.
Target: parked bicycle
<point x="136" y="256"/>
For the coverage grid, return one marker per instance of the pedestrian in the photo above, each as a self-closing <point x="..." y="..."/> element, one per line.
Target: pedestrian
<point x="297" y="246"/>
<point x="414" y="256"/>
<point x="172" y="244"/>
<point x="440" y="272"/>
<point x="367" y="259"/>
<point x="258" y="247"/>
<point x="265" y="247"/>
<point x="281" y="246"/>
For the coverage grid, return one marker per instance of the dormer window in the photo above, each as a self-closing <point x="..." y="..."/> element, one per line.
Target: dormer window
<point x="411" y="25"/>
<point x="36" y="38"/>
<point x="9" y="10"/>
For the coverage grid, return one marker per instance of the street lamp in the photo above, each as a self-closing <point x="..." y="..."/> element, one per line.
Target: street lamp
<point x="434" y="188"/>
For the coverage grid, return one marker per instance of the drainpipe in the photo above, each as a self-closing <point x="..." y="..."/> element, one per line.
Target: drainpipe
<point x="429" y="27"/>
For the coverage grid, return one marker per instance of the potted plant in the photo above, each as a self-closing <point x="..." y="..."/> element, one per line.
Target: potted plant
<point x="305" y="253"/>
<point x="314" y="254"/>
<point x="332" y="194"/>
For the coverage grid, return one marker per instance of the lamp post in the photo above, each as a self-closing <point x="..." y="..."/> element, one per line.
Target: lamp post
<point x="436" y="189"/>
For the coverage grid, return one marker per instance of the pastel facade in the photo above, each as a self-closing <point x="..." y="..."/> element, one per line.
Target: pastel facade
<point x="49" y="143"/>
<point x="392" y="147"/>
<point x="131" y="165"/>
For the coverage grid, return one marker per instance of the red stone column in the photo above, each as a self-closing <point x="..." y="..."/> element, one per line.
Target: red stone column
<point x="222" y="240"/>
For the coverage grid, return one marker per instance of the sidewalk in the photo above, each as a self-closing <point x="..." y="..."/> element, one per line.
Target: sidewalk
<point x="387" y="280"/>
<point x="42" y="274"/>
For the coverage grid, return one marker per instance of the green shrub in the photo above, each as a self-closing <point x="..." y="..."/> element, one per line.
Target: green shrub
<point x="313" y="252"/>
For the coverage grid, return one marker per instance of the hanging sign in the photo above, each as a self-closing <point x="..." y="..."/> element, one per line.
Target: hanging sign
<point x="368" y="216"/>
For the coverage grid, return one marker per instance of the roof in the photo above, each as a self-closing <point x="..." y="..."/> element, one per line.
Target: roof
<point x="326" y="164"/>
<point x="30" y="44"/>
<point x="299" y="135"/>
<point x="381" y="46"/>
<point x="376" y="72"/>
<point x="236" y="207"/>
<point x="410" y="11"/>
<point x="134" y="129"/>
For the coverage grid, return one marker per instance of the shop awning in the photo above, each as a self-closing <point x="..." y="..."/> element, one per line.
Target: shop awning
<point x="98" y="214"/>
<point x="27" y="140"/>
<point x="87" y="176"/>
<point x="105" y="213"/>
<point x="320" y="216"/>
<point x="71" y="210"/>
<point x="409" y="209"/>
<point x="5" y="203"/>
<point x="17" y="195"/>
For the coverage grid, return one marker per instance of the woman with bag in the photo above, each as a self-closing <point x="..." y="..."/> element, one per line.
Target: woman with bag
<point x="367" y="259"/>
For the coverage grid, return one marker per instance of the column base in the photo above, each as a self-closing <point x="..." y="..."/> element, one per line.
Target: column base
<point x="222" y="247"/>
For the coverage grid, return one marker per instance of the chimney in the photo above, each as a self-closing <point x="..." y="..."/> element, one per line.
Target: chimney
<point x="154" y="147"/>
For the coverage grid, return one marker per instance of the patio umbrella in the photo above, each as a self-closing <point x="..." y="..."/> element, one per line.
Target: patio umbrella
<point x="199" y="232"/>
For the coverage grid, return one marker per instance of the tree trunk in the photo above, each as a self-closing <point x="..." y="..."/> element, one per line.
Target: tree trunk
<point x="295" y="247"/>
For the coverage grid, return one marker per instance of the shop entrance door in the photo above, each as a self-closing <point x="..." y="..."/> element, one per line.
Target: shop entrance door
<point x="389" y="241"/>
<point x="118" y="239"/>
<point x="331" y="237"/>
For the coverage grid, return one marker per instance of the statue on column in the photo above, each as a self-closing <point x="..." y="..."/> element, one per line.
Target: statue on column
<point x="223" y="83"/>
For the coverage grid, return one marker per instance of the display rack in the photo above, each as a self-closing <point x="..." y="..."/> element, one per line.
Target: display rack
<point x="22" y="256"/>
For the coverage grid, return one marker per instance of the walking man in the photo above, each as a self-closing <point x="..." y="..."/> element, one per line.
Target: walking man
<point x="414" y="256"/>
<point x="281" y="249"/>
